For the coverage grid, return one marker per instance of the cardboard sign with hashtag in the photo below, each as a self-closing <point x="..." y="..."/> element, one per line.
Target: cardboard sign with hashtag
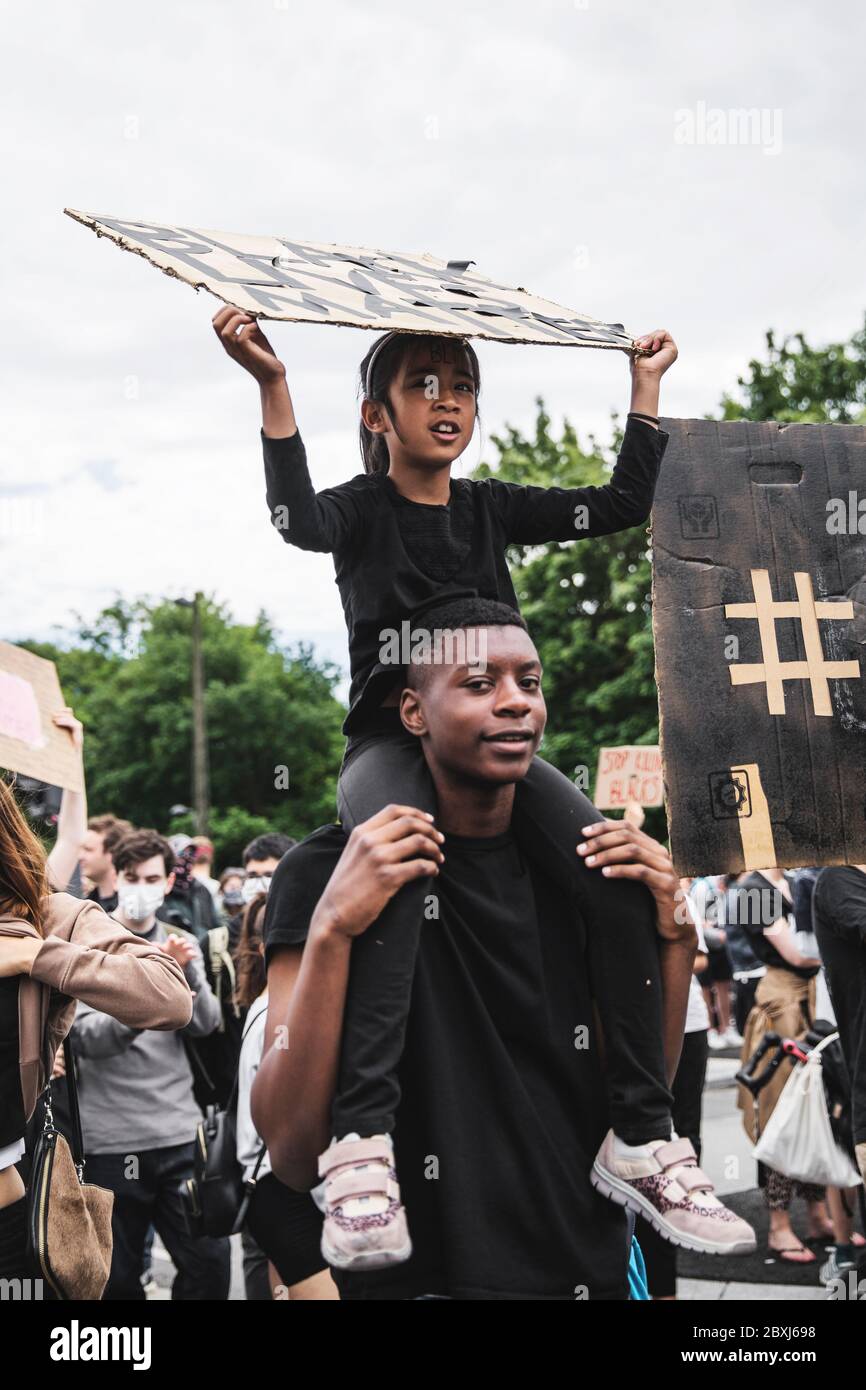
<point x="759" y="618"/>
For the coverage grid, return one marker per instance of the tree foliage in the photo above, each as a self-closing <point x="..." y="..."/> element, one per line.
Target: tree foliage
<point x="127" y="675"/>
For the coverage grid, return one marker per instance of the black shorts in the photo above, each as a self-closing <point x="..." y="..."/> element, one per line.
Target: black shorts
<point x="718" y="969"/>
<point x="287" y="1226"/>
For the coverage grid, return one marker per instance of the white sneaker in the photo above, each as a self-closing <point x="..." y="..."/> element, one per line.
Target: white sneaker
<point x="715" y="1040"/>
<point x="732" y="1037"/>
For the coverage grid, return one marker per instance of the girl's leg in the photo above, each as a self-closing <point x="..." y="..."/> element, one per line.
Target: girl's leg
<point x="549" y="813"/>
<point x="383" y="769"/>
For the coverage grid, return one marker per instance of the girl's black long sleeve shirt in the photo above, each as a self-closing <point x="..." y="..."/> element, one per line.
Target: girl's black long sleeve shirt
<point x="392" y="555"/>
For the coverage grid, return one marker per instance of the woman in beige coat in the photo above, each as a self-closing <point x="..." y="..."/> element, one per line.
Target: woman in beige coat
<point x="54" y="950"/>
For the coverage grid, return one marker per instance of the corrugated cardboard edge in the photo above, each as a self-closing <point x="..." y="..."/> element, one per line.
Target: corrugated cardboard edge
<point x="93" y="222"/>
<point x="680" y="872"/>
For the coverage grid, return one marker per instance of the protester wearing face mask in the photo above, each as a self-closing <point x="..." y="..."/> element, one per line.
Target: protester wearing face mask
<point x="138" y="1109"/>
<point x="261" y="857"/>
<point x="230" y="897"/>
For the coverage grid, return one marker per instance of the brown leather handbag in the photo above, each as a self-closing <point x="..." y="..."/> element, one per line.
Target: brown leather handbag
<point x="69" y="1240"/>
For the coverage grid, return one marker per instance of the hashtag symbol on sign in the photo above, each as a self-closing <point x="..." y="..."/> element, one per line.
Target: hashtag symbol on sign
<point x="771" y="670"/>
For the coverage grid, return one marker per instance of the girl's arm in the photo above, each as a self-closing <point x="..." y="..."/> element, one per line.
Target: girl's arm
<point x="325" y="521"/>
<point x="534" y="515"/>
<point x="294" y="1086"/>
<point x="72" y="821"/>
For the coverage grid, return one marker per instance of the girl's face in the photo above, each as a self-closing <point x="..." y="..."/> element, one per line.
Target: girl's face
<point x="433" y="402"/>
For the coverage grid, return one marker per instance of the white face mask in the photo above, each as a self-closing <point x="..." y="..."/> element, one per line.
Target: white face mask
<point x="138" y="901"/>
<point x="251" y="887"/>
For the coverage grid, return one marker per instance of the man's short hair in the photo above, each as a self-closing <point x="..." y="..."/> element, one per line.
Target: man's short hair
<point x="112" y="830"/>
<point x="141" y="845"/>
<point x="455" y="614"/>
<point x="270" y="846"/>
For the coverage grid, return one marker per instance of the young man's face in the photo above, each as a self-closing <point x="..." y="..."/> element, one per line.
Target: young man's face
<point x="141" y="890"/>
<point x="257" y="879"/>
<point x="93" y="860"/>
<point x="482" y="725"/>
<point x="433" y="404"/>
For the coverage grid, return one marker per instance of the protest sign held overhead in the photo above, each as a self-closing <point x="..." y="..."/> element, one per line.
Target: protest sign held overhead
<point x="275" y="277"/>
<point x="759" y="616"/>
<point x="30" y="742"/>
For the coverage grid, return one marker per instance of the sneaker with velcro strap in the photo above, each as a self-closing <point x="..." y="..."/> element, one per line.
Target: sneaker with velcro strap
<point x="662" y="1183"/>
<point x="365" y="1221"/>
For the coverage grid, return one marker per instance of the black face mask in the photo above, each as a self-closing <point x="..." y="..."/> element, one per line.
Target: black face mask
<point x="233" y="899"/>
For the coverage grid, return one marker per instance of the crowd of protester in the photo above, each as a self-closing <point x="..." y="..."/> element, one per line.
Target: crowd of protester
<point x="764" y="972"/>
<point x="768" y="945"/>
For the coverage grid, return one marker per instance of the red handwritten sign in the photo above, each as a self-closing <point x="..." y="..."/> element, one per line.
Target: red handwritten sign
<point x="631" y="773"/>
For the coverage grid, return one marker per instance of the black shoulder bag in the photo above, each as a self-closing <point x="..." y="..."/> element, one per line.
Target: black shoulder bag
<point x="216" y="1198"/>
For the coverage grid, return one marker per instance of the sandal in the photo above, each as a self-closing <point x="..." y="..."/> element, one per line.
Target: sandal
<point x="786" y="1251"/>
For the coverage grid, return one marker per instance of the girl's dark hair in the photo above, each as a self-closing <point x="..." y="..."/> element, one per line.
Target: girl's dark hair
<point x="252" y="975"/>
<point x="374" y="450"/>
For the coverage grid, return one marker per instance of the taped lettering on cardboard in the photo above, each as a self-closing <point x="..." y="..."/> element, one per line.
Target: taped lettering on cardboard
<point x="275" y="277"/>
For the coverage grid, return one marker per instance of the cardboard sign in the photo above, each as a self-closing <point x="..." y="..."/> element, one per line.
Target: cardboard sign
<point x="631" y="773"/>
<point x="30" y="742"/>
<point x="759" y="616"/>
<point x="278" y="278"/>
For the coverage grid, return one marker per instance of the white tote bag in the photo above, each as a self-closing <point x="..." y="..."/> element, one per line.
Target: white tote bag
<point x="798" y="1141"/>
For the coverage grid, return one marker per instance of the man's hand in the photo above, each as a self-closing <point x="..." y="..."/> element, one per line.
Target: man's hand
<point x="179" y="949"/>
<point x="394" y="847"/>
<point x="245" y="343"/>
<point x="621" y="850"/>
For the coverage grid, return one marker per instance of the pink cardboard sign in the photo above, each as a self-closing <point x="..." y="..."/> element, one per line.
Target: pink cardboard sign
<point x="30" y="742"/>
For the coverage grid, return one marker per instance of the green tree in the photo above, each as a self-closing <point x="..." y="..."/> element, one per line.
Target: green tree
<point x="804" y="383"/>
<point x="272" y="718"/>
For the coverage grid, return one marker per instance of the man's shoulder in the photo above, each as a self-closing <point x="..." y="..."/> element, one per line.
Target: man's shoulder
<point x="298" y="882"/>
<point x="322" y="846"/>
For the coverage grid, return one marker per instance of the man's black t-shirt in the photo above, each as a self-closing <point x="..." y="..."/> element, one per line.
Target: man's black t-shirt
<point x="839" y="902"/>
<point x="503" y="1105"/>
<point x="839" y="912"/>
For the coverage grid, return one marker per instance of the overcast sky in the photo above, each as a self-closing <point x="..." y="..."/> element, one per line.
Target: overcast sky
<point x="560" y="146"/>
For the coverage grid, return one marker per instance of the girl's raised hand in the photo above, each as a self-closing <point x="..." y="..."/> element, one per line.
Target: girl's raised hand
<point x="245" y="343"/>
<point x="65" y="719"/>
<point x="663" y="352"/>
